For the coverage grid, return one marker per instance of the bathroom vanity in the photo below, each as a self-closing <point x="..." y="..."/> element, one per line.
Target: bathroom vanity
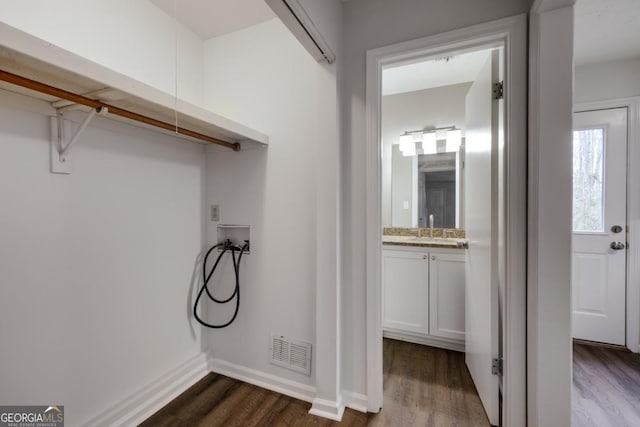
<point x="423" y="289"/>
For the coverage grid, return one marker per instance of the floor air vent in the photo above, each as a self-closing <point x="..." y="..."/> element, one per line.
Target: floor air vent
<point x="291" y="354"/>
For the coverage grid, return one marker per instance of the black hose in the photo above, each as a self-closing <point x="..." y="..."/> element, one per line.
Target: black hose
<point x="206" y="279"/>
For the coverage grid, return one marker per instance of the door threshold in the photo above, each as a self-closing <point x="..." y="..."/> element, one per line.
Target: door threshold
<point x="601" y="344"/>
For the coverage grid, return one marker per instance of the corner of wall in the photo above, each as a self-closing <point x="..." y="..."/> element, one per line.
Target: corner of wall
<point x="140" y="405"/>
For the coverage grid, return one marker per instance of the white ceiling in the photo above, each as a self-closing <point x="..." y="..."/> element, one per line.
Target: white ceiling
<point x="433" y="73"/>
<point x="606" y="30"/>
<point x="211" y="18"/>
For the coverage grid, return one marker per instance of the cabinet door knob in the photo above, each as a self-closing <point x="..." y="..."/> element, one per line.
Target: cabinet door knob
<point x="425" y="256"/>
<point x="433" y="257"/>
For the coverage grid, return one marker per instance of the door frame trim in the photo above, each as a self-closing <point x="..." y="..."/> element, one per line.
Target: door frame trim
<point x="633" y="209"/>
<point x="512" y="34"/>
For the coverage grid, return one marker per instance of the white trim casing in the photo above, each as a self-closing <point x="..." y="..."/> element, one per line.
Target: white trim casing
<point x="512" y="34"/>
<point x="549" y="216"/>
<point x="140" y="405"/>
<point x="355" y="401"/>
<point x="633" y="210"/>
<point x="445" y="343"/>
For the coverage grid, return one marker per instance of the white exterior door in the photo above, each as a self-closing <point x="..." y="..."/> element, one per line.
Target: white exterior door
<point x="481" y="224"/>
<point x="599" y="225"/>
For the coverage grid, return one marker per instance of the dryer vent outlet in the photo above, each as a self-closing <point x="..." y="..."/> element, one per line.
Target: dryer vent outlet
<point x="290" y="354"/>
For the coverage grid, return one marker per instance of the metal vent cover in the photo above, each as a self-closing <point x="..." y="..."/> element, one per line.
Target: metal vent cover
<point x="290" y="354"/>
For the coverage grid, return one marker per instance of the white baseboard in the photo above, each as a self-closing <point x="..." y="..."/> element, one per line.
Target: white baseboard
<point x="327" y="409"/>
<point x="320" y="407"/>
<point x="149" y="399"/>
<point x="355" y="401"/>
<point x="424" y="340"/>
<point x="262" y="379"/>
<point x="140" y="405"/>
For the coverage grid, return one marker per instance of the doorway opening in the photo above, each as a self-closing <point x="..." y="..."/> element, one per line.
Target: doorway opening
<point x="441" y="126"/>
<point x="442" y="164"/>
<point x="605" y="313"/>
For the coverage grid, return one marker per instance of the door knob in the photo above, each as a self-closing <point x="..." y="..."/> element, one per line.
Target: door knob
<point x="617" y="246"/>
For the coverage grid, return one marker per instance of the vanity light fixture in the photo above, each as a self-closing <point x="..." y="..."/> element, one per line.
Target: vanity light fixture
<point x="429" y="144"/>
<point x="454" y="140"/>
<point x="429" y="138"/>
<point x="441" y="133"/>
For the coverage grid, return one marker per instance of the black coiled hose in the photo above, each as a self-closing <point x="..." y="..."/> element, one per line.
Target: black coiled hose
<point x="206" y="278"/>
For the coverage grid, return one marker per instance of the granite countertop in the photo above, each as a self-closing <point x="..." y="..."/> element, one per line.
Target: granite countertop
<point x="431" y="242"/>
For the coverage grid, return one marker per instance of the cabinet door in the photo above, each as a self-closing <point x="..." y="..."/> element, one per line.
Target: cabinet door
<point x="446" y="295"/>
<point x="405" y="279"/>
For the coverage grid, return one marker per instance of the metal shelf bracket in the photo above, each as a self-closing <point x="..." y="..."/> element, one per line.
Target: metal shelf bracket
<point x="60" y="157"/>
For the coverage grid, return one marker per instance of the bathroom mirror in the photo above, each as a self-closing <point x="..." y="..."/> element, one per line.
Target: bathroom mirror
<point x="426" y="184"/>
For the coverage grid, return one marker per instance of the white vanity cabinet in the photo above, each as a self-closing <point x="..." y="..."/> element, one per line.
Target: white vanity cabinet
<point x="446" y="295"/>
<point x="404" y="278"/>
<point x="423" y="297"/>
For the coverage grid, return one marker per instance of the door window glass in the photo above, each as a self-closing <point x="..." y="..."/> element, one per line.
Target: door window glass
<point x="588" y="180"/>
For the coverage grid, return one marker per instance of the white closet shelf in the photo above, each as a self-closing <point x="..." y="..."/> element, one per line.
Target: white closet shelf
<point x="35" y="59"/>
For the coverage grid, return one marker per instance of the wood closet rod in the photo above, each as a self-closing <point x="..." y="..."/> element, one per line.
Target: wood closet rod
<point x="92" y="103"/>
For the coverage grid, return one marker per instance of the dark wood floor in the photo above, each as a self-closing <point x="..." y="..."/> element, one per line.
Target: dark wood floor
<point x="606" y="387"/>
<point x="427" y="386"/>
<point x="423" y="386"/>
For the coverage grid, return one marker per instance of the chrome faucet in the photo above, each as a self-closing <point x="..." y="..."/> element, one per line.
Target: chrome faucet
<point x="431" y="226"/>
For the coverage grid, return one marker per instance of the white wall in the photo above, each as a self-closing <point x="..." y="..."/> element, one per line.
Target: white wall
<point x="96" y="266"/>
<point x="370" y="24"/>
<point x="607" y="80"/>
<point x="133" y="37"/>
<point x="549" y="347"/>
<point x="271" y="83"/>
<point x="435" y="107"/>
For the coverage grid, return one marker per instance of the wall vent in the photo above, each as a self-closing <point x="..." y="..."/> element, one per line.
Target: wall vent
<point x="290" y="354"/>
